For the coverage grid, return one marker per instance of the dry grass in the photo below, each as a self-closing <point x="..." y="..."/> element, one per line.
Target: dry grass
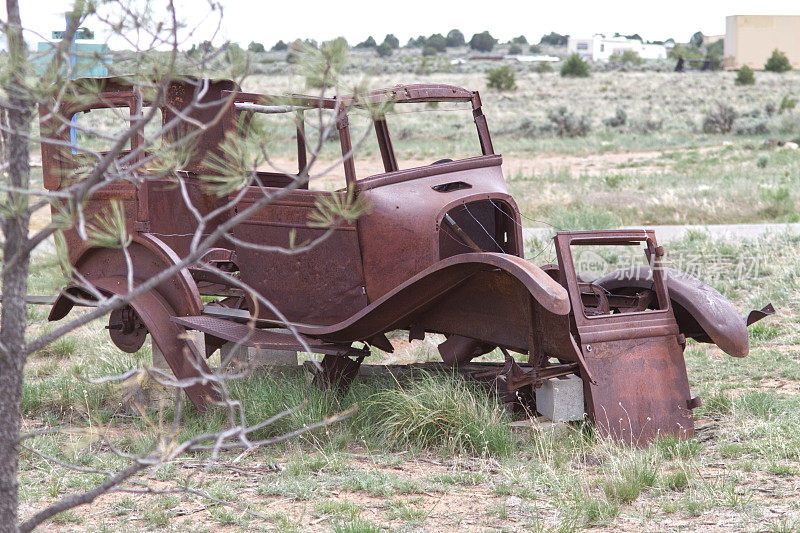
<point x="739" y="473"/>
<point x="741" y="469"/>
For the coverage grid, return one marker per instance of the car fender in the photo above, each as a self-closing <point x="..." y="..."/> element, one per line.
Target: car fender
<point x="416" y="296"/>
<point x="149" y="255"/>
<point x="701" y="311"/>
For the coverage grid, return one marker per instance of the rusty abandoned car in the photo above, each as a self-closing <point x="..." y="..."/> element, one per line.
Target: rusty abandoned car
<point x="440" y="250"/>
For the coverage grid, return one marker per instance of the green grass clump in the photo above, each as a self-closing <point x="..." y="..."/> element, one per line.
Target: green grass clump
<point x="779" y="203"/>
<point x="759" y="404"/>
<point x="63" y="394"/>
<point x="343" y="510"/>
<point x="264" y="395"/>
<point x="442" y="413"/>
<point x="358" y="525"/>
<point x="427" y="412"/>
<point x="61" y="348"/>
<point x="715" y="405"/>
<point x="678" y="448"/>
<point x="633" y="476"/>
<point x="593" y="509"/>
<point x="677" y="481"/>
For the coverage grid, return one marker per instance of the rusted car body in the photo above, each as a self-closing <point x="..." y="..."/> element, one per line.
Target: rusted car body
<point x="440" y="251"/>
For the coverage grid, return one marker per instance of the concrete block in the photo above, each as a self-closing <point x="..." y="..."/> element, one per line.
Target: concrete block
<point x="542" y="425"/>
<point x="561" y="399"/>
<point x="250" y="357"/>
<point x="141" y="393"/>
<point x="197" y="337"/>
<point x="272" y="357"/>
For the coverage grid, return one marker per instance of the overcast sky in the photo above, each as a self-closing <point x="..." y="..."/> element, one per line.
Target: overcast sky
<point x="268" y="21"/>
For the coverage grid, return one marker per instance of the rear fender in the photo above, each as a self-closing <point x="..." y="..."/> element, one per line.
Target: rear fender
<point x="149" y="256"/>
<point x="701" y="311"/>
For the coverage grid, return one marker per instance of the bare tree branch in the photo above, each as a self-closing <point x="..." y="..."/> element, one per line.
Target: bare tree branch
<point x="74" y="500"/>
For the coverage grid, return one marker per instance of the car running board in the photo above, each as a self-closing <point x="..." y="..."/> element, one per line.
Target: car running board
<point x="266" y="339"/>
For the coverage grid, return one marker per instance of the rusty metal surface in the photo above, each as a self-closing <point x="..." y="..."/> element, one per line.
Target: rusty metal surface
<point x="261" y="338"/>
<point x="641" y="389"/>
<point x="126" y="329"/>
<point x="702" y="312"/>
<point x="441" y="251"/>
<point x="331" y="270"/>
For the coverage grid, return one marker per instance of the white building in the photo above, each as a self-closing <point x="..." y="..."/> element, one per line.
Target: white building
<point x="601" y="48"/>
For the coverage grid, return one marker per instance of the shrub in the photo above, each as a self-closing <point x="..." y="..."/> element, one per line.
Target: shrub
<point x="714" y="61"/>
<point x="564" y="123"/>
<point x="392" y="41"/>
<point x="629" y="56"/>
<point x="778" y="62"/>
<point x="369" y="42"/>
<point x="554" y="39"/>
<point x="455" y="38"/>
<point x="751" y="126"/>
<point x="419" y="42"/>
<point x="482" y="42"/>
<point x="514" y="50"/>
<point x="519" y="40"/>
<point x="543" y="67"/>
<point x="649" y="125"/>
<point x="384" y="49"/>
<point x="778" y="202"/>
<point x="686" y="52"/>
<point x="787" y="103"/>
<point x="502" y="78"/>
<point x="535" y="49"/>
<point x="575" y="67"/>
<point x="529" y="127"/>
<point x="720" y="120"/>
<point x="428" y="51"/>
<point x="233" y="53"/>
<point x="280" y="46"/>
<point x="789" y="124"/>
<point x="255" y="47"/>
<point x="745" y="76"/>
<point x="437" y="41"/>
<point x="619" y="119"/>
<point x="295" y="50"/>
<point x="717" y="47"/>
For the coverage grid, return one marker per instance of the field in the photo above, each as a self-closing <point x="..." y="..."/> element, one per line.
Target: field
<point x="436" y="454"/>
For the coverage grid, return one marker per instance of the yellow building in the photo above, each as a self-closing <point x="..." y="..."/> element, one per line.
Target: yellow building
<point x="750" y="39"/>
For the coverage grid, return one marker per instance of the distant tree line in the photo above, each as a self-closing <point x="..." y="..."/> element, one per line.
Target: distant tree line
<point x="430" y="45"/>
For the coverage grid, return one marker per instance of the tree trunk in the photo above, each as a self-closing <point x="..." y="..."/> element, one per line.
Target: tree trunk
<point x="14" y="223"/>
<point x="12" y="361"/>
